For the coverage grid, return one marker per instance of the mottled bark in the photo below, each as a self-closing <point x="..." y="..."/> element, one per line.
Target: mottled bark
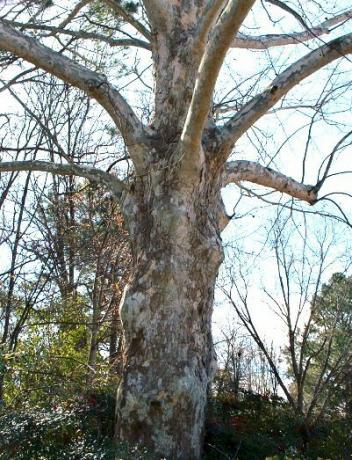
<point x="166" y="315"/>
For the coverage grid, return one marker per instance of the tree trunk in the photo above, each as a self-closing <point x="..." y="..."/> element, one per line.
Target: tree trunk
<point x="115" y="343"/>
<point x="166" y="315"/>
<point x="93" y="343"/>
<point x="2" y="381"/>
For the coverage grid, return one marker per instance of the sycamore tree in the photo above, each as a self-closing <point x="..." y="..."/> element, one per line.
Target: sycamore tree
<point x="178" y="149"/>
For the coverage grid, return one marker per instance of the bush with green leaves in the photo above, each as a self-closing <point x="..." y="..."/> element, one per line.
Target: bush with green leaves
<point x="252" y="427"/>
<point x="256" y="427"/>
<point x="80" y="429"/>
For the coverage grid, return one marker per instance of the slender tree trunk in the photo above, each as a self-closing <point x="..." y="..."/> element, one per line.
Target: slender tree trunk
<point x="166" y="315"/>
<point x="2" y="378"/>
<point x="115" y="343"/>
<point x="93" y="343"/>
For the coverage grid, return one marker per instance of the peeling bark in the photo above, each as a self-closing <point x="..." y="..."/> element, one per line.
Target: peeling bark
<point x="250" y="171"/>
<point x="166" y="316"/>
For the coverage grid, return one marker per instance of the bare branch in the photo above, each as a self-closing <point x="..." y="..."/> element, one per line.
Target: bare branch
<point x="220" y="41"/>
<point x="242" y="170"/>
<point x="92" y="83"/>
<point x="331" y="159"/>
<point x="81" y="34"/>
<point x="247" y="321"/>
<point x="81" y="4"/>
<point x="289" y="10"/>
<point x="292" y="76"/>
<point x="92" y="174"/>
<point x="272" y="40"/>
<point x="211" y="13"/>
<point x="120" y="11"/>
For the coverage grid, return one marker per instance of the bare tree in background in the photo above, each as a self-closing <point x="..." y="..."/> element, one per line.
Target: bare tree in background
<point x="21" y="285"/>
<point x="179" y="151"/>
<point x="242" y="365"/>
<point x="315" y="362"/>
<point x="65" y="237"/>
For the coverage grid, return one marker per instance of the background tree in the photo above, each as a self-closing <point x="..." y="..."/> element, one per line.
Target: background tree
<point x="69" y="262"/>
<point x="315" y="348"/>
<point x="331" y="324"/>
<point x="242" y="365"/>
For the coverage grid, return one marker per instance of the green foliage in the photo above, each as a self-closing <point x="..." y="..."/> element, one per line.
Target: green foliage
<point x="131" y="7"/>
<point x="257" y="427"/>
<point x="42" y="4"/>
<point x="254" y="426"/>
<point x="332" y="326"/>
<point x="100" y="11"/>
<point x="79" y="430"/>
<point x="48" y="361"/>
<point x="334" y="305"/>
